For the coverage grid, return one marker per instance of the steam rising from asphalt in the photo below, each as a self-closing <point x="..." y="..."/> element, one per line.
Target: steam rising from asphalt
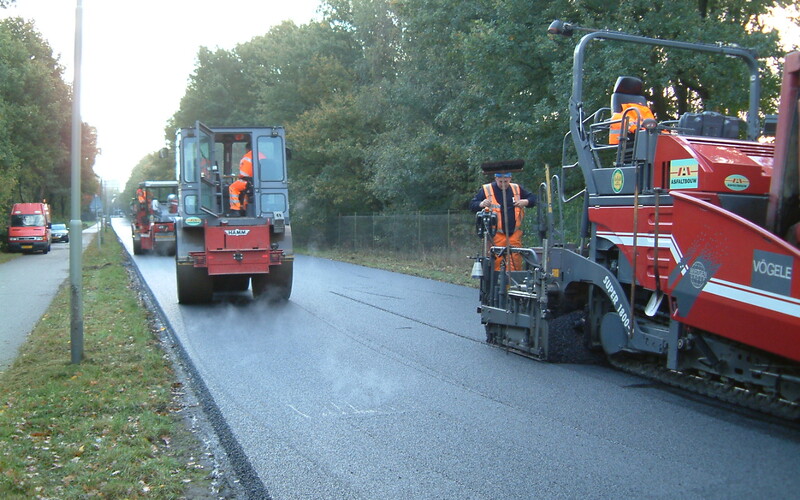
<point x="363" y="388"/>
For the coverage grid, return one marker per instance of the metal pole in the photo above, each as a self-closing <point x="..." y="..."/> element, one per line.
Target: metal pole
<point x="99" y="216"/>
<point x="746" y="55"/>
<point x="75" y="224"/>
<point x="419" y="230"/>
<point x="448" y="229"/>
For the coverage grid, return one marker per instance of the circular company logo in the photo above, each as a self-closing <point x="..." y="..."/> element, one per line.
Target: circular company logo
<point x="736" y="182"/>
<point x="698" y="274"/>
<point x="617" y="180"/>
<point x="192" y="221"/>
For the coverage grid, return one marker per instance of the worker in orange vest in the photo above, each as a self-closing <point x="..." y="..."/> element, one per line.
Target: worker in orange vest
<point x="142" y="196"/>
<point x="508" y="201"/>
<point x="241" y="190"/>
<point x="635" y="118"/>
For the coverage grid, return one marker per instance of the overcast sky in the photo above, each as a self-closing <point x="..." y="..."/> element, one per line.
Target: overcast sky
<point x="137" y="58"/>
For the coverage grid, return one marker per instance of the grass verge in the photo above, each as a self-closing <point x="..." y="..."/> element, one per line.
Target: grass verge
<point x="5" y="257"/>
<point x="110" y="426"/>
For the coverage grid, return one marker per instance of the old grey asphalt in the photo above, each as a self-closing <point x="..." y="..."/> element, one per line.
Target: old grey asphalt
<point x="28" y="285"/>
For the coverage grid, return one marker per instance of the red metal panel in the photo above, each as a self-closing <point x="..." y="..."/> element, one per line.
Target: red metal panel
<point x="237" y="237"/>
<point x="215" y="238"/>
<point x="743" y="277"/>
<point x="722" y="165"/>
<point x="237" y="262"/>
<point x="723" y="274"/>
<point x="163" y="232"/>
<point x="237" y="249"/>
<point x="616" y="225"/>
<point x="147" y="242"/>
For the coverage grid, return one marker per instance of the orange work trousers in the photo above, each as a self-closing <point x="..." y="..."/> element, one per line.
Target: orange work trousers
<point x="515" y="259"/>
<point x="235" y="192"/>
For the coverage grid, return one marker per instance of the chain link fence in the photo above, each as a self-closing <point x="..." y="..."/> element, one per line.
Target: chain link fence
<point x="406" y="232"/>
<point x="428" y="231"/>
<point x="444" y="237"/>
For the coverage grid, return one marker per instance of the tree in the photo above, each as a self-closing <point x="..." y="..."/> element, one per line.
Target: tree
<point x="35" y="109"/>
<point x="394" y="104"/>
<point x="329" y="174"/>
<point x="217" y="93"/>
<point x="292" y="69"/>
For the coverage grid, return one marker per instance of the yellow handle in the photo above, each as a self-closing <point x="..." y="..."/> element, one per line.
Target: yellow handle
<point x="547" y="183"/>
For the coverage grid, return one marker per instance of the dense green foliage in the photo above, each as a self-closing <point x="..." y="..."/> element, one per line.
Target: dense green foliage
<point x="36" y="124"/>
<point x="392" y="105"/>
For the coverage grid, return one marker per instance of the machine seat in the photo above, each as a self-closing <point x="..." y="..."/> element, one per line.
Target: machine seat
<point x="710" y="124"/>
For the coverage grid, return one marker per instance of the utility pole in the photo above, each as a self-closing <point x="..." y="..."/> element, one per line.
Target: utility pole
<point x="75" y="224"/>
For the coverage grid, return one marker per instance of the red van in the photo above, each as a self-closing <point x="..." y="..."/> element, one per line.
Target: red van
<point x="29" y="230"/>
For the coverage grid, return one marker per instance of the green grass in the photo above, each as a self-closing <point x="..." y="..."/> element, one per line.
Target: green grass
<point x="5" y="257"/>
<point x="109" y="426"/>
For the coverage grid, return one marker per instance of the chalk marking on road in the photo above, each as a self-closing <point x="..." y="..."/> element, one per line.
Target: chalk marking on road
<point x="347" y="410"/>
<point x="362" y="412"/>
<point x="300" y="412"/>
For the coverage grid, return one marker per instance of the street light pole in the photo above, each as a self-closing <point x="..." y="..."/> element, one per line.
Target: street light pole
<point x="75" y="224"/>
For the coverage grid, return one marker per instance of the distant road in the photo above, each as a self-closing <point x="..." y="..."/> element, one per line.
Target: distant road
<point x="371" y="384"/>
<point x="28" y="285"/>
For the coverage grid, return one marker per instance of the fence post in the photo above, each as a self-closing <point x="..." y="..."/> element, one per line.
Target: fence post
<point x="355" y="230"/>
<point x="419" y="230"/>
<point x="448" y="229"/>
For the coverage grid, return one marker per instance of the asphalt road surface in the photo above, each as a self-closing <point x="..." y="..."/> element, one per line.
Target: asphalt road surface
<point x="370" y="384"/>
<point x="28" y="285"/>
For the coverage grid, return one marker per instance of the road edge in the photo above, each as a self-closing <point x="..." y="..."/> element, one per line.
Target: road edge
<point x="218" y="436"/>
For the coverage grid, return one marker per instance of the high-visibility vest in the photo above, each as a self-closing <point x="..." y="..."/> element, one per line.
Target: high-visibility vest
<point x="246" y="163"/>
<point x="634" y="120"/>
<point x="519" y="213"/>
